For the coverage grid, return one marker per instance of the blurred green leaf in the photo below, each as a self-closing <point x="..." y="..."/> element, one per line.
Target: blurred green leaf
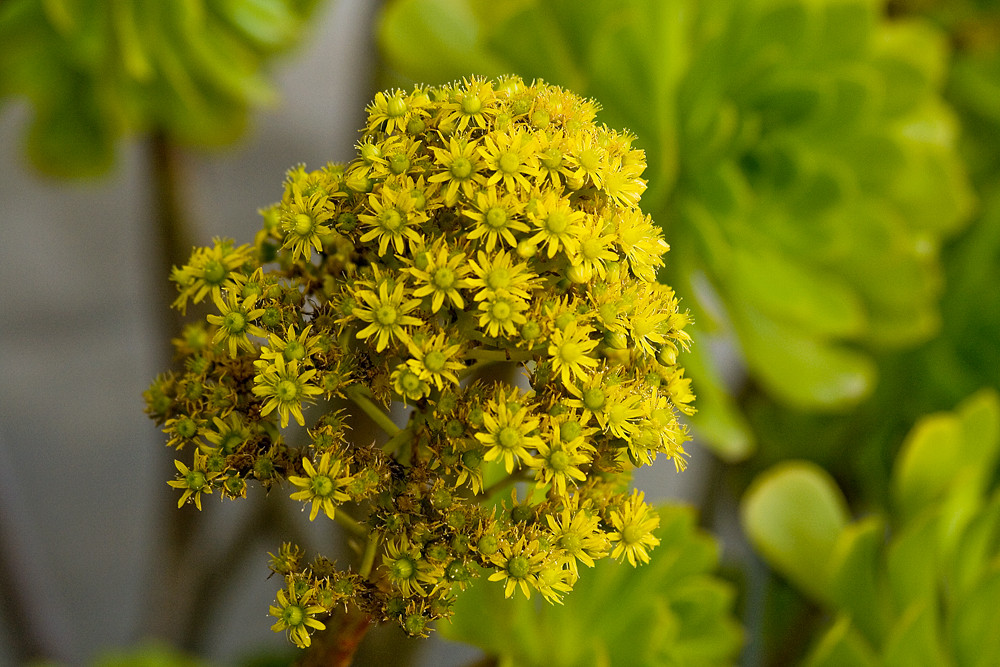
<point x="97" y="71"/>
<point x="794" y="515"/>
<point x="842" y="646"/>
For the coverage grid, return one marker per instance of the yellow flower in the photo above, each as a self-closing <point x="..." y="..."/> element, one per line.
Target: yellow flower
<point x="392" y="111"/>
<point x="441" y="276"/>
<point x="302" y="221"/>
<point x="512" y="159"/>
<point x="502" y="315"/>
<point x="393" y="220"/>
<point x="578" y="533"/>
<point x="596" y="249"/>
<point x="520" y="563"/>
<point x="497" y="218"/>
<point x="559" y="225"/>
<point x="322" y="485"/>
<point x="386" y="314"/>
<point x="471" y="104"/>
<point x="408" y="384"/>
<point x="207" y="271"/>
<point x="638" y="239"/>
<point x="235" y="322"/>
<point x="508" y="431"/>
<point x="435" y="361"/>
<point x="194" y="481"/>
<point x="285" y="389"/>
<point x="569" y="350"/>
<point x="498" y="275"/>
<point x="458" y="167"/>
<point x="634" y="523"/>
<point x="295" y="614"/>
<point x="558" y="461"/>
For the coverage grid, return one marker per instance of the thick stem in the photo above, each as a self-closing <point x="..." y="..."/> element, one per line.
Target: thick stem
<point x="336" y="646"/>
<point x="172" y="245"/>
<point x="360" y="396"/>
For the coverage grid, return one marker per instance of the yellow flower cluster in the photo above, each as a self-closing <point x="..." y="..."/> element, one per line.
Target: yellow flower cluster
<point x="483" y="227"/>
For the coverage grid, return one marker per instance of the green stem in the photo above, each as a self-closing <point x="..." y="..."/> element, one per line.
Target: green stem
<point x="349" y="523"/>
<point x="360" y="396"/>
<point x="392" y="444"/>
<point x="504" y="482"/>
<point x="368" y="560"/>
<point x="498" y="355"/>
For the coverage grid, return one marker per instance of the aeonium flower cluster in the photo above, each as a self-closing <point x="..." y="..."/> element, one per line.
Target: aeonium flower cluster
<point x="483" y="226"/>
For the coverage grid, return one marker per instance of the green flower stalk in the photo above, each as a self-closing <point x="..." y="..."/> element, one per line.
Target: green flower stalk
<point x="482" y="225"/>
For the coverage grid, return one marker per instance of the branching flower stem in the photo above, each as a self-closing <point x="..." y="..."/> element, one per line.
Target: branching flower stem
<point x="360" y="396"/>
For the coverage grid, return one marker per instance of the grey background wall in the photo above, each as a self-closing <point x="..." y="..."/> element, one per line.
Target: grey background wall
<point x="81" y="469"/>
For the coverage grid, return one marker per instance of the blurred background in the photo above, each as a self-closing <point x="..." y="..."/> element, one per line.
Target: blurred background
<point x="826" y="175"/>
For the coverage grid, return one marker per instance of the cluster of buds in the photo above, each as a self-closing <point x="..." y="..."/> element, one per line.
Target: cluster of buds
<point x="485" y="230"/>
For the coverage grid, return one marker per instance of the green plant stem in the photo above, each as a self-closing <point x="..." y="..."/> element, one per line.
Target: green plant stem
<point x="391" y="446"/>
<point x="483" y="354"/>
<point x="349" y="523"/>
<point x="503" y="482"/>
<point x="172" y="244"/>
<point x="336" y="646"/>
<point x="368" y="559"/>
<point x="360" y="396"/>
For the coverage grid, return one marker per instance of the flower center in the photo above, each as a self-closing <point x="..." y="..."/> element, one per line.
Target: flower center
<point x="410" y="382"/>
<point x="570" y="542"/>
<point x="557" y="222"/>
<point x="402" y="568"/>
<point x="589" y="159"/>
<point x="293" y="615"/>
<point x="496" y="218"/>
<point x="501" y="311"/>
<point x="385" y="315"/>
<point x="444" y="278"/>
<point x="399" y="163"/>
<point x="215" y="272"/>
<point x="461" y="168"/>
<point x="509" y="162"/>
<point x="234" y="322"/>
<point x="593" y="399"/>
<point x="195" y="479"/>
<point x="632" y="534"/>
<point x="559" y="460"/>
<point x="508" y="437"/>
<point x="472" y="105"/>
<point x="498" y="278"/>
<point x="570" y="352"/>
<point x="591" y="248"/>
<point x="303" y="224"/>
<point x="286" y="390"/>
<point x="395" y="107"/>
<point x="552" y="159"/>
<point x="294" y="350"/>
<point x="434" y="361"/>
<point x="322" y="486"/>
<point x="517" y="567"/>
<point x="391" y="220"/>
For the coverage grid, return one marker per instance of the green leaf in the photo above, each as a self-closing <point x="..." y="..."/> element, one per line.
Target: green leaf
<point x="794" y="515"/>
<point x="973" y="626"/>
<point x="915" y="639"/>
<point x="792" y="292"/>
<point x="842" y="646"/>
<point x="945" y="448"/>
<point x="797" y="367"/>
<point x="856" y="585"/>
